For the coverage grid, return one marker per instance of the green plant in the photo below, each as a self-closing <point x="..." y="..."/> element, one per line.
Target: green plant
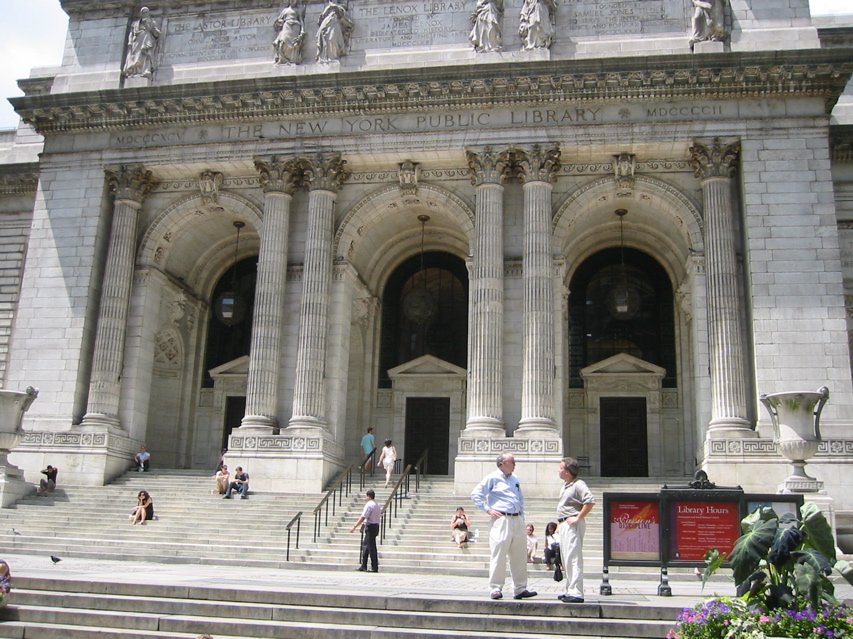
<point x="783" y="562"/>
<point x="781" y="566"/>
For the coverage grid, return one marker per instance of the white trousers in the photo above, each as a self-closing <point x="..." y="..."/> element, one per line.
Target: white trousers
<point x="508" y="540"/>
<point x="571" y="550"/>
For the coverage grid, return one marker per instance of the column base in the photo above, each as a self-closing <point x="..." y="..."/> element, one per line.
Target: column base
<point x="99" y="420"/>
<point x="301" y="460"/>
<point x="260" y="422"/>
<point x="537" y="461"/>
<point x="306" y="421"/>
<point x="484" y="427"/>
<point x="536" y="427"/>
<point x="730" y="427"/>
<point x="85" y="455"/>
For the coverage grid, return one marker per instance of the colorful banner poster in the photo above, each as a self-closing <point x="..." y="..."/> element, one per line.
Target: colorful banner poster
<point x="635" y="530"/>
<point x="698" y="526"/>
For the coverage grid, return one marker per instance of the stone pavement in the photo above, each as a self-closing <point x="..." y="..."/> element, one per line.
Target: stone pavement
<point x="335" y="581"/>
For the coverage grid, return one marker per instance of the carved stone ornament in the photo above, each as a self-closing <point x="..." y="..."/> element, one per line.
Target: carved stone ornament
<point x="209" y="183"/>
<point x="290" y="27"/>
<point x="488" y="167"/>
<point x="333" y="36"/>
<point x="409" y="173"/>
<point x="708" y="22"/>
<point x="130" y="182"/>
<point x="537" y="165"/>
<point x="714" y="159"/>
<point x="326" y="172"/>
<point x="624" y="166"/>
<point x="486" y="33"/>
<point x="277" y="174"/>
<point x="536" y="23"/>
<point x="141" y="46"/>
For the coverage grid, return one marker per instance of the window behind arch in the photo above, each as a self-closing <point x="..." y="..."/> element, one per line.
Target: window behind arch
<point x="598" y="331"/>
<point x="425" y="312"/>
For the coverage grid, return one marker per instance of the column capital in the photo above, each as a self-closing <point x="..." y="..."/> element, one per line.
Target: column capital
<point x="324" y="172"/>
<point x="537" y="164"/>
<point x="278" y="175"/>
<point x="130" y="182"/>
<point x="715" y="158"/>
<point x="488" y="166"/>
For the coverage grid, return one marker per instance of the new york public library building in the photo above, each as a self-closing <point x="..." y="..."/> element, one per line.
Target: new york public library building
<point x="600" y="229"/>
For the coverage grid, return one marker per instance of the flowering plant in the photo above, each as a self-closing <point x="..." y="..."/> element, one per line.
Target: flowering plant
<point x="781" y="566"/>
<point x="732" y="618"/>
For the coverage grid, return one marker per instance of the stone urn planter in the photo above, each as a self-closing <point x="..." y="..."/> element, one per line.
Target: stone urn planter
<point x="796" y="427"/>
<point x="13" y="405"/>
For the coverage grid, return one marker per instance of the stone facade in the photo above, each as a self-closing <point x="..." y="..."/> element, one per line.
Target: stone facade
<point x="426" y="225"/>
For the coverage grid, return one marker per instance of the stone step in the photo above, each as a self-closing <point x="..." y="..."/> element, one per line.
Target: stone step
<point x="82" y="606"/>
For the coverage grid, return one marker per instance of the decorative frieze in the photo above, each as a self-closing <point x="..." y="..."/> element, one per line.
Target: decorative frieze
<point x="830" y="449"/>
<point x="307" y="445"/>
<point x="804" y="73"/>
<point x="494" y="446"/>
<point x="65" y="441"/>
<point x="19" y="182"/>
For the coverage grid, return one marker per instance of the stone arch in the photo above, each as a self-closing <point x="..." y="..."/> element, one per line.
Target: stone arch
<point x="382" y="230"/>
<point x="176" y="243"/>
<point x="662" y="221"/>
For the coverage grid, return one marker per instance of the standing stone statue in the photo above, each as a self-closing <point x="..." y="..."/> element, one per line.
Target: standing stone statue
<point x="291" y="34"/>
<point x="536" y="26"/>
<point x="141" y="45"/>
<point x="486" y="34"/>
<point x="708" y="22"/>
<point x="335" y="29"/>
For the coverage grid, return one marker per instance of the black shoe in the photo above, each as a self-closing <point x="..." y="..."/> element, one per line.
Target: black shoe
<point x="570" y="599"/>
<point x="527" y="594"/>
<point x="361" y="569"/>
<point x="373" y="570"/>
<point x="497" y="594"/>
<point x="227" y="497"/>
<point x="243" y="497"/>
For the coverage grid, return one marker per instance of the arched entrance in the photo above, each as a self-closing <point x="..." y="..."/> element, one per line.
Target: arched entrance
<point x="423" y="353"/>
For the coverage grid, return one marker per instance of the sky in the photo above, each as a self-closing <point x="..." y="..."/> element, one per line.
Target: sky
<point x="32" y="34"/>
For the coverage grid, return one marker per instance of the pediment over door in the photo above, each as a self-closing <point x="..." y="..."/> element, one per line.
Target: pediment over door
<point x="239" y="366"/>
<point x="426" y="365"/>
<point x="623" y="373"/>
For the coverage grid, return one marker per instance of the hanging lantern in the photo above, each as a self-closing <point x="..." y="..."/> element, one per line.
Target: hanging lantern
<point x="230" y="307"/>
<point x="420" y="304"/>
<point x="623" y="301"/>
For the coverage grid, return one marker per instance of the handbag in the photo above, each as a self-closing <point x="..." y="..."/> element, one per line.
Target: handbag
<point x="558" y="573"/>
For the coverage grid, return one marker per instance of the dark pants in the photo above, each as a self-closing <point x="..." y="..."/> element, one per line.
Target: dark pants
<point x="142" y="465"/>
<point x="368" y="546"/>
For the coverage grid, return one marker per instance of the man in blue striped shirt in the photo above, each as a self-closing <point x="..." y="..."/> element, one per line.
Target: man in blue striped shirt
<point x="499" y="495"/>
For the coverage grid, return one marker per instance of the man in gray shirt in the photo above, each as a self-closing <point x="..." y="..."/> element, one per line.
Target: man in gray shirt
<point x="576" y="501"/>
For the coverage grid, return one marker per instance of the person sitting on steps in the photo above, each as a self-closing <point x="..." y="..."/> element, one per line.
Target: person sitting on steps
<point x="142" y="459"/>
<point x="48" y="483"/>
<point x="240" y="484"/>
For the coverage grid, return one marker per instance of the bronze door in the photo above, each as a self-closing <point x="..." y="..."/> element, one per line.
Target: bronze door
<point x="624" y="440"/>
<point x="428" y="426"/>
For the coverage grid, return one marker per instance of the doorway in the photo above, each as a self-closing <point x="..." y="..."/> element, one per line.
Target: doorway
<point x="428" y="426"/>
<point x="624" y="437"/>
<point x="235" y="409"/>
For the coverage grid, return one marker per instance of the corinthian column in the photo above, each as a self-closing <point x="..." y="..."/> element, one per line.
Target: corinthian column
<point x="485" y="352"/>
<point x="537" y="169"/>
<point x="130" y="185"/>
<point x="324" y="176"/>
<point x="715" y="162"/>
<point x="278" y="179"/>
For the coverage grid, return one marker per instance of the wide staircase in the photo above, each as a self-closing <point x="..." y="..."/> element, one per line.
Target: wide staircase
<point x="195" y="526"/>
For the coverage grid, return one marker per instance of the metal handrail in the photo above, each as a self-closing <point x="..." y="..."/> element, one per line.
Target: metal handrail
<point x="297" y="518"/>
<point x="370" y="456"/>
<point x="340" y="488"/>
<point x="421" y="469"/>
<point x="392" y="504"/>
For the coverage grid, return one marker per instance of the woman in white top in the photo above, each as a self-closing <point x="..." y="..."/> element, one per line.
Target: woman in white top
<point x="387" y="459"/>
<point x="222" y="476"/>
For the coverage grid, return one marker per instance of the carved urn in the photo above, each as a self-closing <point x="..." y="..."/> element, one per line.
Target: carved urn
<point x="13" y="405"/>
<point x="796" y="426"/>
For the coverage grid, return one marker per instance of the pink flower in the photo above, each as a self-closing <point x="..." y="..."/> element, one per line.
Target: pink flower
<point x="764" y="618"/>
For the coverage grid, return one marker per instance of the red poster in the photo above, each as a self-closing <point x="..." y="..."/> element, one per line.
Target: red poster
<point x="700" y="525"/>
<point x="635" y="530"/>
